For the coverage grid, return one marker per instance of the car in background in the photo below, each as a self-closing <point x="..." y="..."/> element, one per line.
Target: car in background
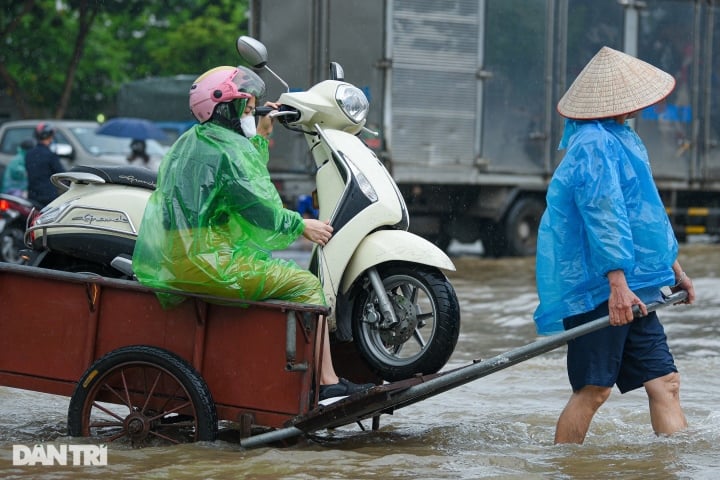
<point x="76" y="142"/>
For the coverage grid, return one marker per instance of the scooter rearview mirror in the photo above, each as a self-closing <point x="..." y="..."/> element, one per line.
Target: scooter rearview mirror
<point x="252" y="51"/>
<point x="336" y="71"/>
<point x="62" y="150"/>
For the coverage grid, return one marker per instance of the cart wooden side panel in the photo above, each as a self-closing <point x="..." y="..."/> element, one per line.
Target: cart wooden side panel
<point x="55" y="324"/>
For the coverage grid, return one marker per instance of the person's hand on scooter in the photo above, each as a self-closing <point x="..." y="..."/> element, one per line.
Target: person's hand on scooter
<point x="265" y="122"/>
<point x="317" y="231"/>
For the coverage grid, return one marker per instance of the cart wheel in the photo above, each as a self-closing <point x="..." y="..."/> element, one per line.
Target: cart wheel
<point x="142" y="395"/>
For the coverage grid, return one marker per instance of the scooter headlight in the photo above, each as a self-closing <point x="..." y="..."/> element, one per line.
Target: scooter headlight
<point x="352" y="102"/>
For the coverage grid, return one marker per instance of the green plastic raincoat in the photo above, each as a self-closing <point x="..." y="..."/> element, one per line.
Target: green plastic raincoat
<point x="14" y="179"/>
<point x="212" y="222"/>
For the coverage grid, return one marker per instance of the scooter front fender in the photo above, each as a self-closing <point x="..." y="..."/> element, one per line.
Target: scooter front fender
<point x="392" y="246"/>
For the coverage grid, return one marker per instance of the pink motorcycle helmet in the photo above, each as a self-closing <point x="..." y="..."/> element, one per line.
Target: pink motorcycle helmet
<point x="222" y="85"/>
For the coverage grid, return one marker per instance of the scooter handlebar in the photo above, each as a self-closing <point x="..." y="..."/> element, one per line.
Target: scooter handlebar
<point x="286" y="115"/>
<point x="262" y="111"/>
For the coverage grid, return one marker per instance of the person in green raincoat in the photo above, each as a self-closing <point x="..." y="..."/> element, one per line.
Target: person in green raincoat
<point x="215" y="217"/>
<point x="14" y="181"/>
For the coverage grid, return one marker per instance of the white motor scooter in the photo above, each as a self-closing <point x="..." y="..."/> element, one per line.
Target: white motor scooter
<point x="389" y="293"/>
<point x="92" y="226"/>
<point x="385" y="285"/>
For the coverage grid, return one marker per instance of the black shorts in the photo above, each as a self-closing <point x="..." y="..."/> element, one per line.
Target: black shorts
<point x="626" y="356"/>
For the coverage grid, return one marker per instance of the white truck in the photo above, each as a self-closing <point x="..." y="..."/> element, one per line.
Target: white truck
<point x="463" y="95"/>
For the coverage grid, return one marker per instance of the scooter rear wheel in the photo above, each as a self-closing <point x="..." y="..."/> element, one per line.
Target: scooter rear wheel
<point x="428" y="315"/>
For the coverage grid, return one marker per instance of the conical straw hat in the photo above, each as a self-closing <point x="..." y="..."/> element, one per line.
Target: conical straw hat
<point x="614" y="83"/>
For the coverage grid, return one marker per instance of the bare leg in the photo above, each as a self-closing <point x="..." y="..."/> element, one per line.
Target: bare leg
<point x="666" y="414"/>
<point x="574" y="421"/>
<point x="327" y="371"/>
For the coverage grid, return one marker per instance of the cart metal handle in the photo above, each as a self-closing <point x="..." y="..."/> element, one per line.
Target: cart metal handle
<point x="468" y="373"/>
<point x="485" y="367"/>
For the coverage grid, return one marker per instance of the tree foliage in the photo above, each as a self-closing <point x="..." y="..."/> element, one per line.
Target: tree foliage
<point x="68" y="58"/>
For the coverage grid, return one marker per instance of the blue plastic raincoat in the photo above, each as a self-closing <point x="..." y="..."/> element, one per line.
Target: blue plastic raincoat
<point x="603" y="213"/>
<point x="210" y="225"/>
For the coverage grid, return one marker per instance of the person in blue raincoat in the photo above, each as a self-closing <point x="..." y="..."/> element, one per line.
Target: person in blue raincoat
<point x="215" y="217"/>
<point x="605" y="244"/>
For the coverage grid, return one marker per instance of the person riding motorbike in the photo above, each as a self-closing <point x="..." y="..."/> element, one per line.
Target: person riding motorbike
<point x="40" y="164"/>
<point x="215" y="216"/>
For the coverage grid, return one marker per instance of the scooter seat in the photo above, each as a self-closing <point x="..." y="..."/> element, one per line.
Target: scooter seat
<point x="130" y="175"/>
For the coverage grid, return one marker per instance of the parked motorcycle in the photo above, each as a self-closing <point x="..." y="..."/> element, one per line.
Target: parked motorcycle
<point x="385" y="285"/>
<point x="93" y="224"/>
<point x="14" y="212"/>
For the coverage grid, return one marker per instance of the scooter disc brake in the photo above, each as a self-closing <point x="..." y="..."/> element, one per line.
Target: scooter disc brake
<point x="407" y="322"/>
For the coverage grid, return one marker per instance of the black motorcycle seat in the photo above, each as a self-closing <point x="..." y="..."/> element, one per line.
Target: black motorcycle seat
<point x="130" y="175"/>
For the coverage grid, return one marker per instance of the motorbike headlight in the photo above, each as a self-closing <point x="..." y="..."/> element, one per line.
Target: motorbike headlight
<point x="352" y="102"/>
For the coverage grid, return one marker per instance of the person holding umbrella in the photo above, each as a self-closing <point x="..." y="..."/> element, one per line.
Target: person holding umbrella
<point x="137" y="151"/>
<point x="138" y="129"/>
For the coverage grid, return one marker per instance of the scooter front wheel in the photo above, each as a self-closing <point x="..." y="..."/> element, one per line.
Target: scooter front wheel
<point x="427" y="324"/>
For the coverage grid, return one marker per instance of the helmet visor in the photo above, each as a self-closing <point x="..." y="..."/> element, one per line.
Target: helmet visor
<point x="248" y="81"/>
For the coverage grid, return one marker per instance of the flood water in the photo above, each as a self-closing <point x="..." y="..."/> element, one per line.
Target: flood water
<point x="499" y="426"/>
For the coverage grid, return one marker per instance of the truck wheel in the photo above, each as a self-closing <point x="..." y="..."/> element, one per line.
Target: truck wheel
<point x="428" y="325"/>
<point x="493" y="240"/>
<point x="521" y="227"/>
<point x="142" y="395"/>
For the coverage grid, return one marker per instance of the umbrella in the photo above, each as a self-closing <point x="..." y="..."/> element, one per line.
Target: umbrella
<point x="135" y="128"/>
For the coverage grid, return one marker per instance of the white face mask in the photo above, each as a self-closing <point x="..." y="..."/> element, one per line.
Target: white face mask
<point x="247" y="123"/>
